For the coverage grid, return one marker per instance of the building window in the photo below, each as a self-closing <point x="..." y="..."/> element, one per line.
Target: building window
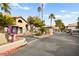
<point x="20" y="29"/>
<point x="19" y="21"/>
<point x="14" y="29"/>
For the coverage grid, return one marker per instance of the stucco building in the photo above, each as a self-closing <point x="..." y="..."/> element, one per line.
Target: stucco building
<point x="20" y="26"/>
<point x="71" y="26"/>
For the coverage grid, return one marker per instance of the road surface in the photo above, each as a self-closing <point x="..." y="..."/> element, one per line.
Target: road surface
<point x="59" y="44"/>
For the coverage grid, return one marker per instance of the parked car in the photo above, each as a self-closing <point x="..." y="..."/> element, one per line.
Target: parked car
<point x="68" y="30"/>
<point x="76" y="30"/>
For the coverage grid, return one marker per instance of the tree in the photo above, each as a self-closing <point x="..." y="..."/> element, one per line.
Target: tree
<point x="78" y="23"/>
<point x="51" y="16"/>
<point x="38" y="22"/>
<point x="6" y="20"/>
<point x="44" y="30"/>
<point x="5" y="7"/>
<point x="35" y="22"/>
<point x="42" y="10"/>
<point x="30" y="21"/>
<point x="59" y="24"/>
<point x="39" y="10"/>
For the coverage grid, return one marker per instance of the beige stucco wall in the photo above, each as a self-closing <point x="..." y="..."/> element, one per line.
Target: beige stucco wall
<point x="2" y="38"/>
<point x="23" y="24"/>
<point x="72" y="28"/>
<point x="51" y="31"/>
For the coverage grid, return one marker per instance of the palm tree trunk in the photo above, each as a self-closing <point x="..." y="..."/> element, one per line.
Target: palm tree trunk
<point x="51" y="22"/>
<point x="42" y="11"/>
<point x="39" y="15"/>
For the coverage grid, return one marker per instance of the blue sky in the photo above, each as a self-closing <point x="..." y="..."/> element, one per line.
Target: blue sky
<point x="68" y="12"/>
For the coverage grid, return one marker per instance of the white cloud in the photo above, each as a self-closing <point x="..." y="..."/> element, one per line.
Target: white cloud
<point x="46" y="15"/>
<point x="58" y="16"/>
<point x="67" y="15"/>
<point x="74" y="12"/>
<point x="16" y="5"/>
<point x="63" y="11"/>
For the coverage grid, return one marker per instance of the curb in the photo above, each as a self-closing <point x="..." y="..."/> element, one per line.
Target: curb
<point x="42" y="36"/>
<point x="11" y="50"/>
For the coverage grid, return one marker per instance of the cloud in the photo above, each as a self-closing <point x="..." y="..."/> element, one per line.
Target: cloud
<point x="58" y="16"/>
<point x="46" y="15"/>
<point x="67" y="15"/>
<point x="63" y="11"/>
<point x="75" y="12"/>
<point x="16" y="5"/>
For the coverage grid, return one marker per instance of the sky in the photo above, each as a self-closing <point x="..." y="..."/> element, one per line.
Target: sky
<point x="67" y="12"/>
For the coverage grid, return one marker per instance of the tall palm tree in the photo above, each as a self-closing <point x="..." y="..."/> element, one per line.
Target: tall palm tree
<point x="42" y="10"/>
<point x="5" y="7"/>
<point x="39" y="10"/>
<point x="51" y="16"/>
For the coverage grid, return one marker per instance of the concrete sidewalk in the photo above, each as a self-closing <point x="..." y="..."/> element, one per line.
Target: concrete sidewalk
<point x="7" y="48"/>
<point x="43" y="36"/>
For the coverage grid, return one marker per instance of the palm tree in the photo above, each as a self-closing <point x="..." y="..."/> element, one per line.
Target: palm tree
<point x="5" y="7"/>
<point x="51" y="16"/>
<point x="42" y="10"/>
<point x="39" y="10"/>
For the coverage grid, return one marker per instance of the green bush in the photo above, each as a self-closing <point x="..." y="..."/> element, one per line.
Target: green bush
<point x="43" y="29"/>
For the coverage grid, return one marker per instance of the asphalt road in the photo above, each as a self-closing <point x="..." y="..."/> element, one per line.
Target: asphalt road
<point x="60" y="44"/>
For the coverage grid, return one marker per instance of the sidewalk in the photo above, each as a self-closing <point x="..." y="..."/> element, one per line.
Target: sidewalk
<point x="8" y="48"/>
<point x="43" y="36"/>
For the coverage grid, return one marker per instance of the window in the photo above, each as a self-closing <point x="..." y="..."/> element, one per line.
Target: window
<point x="14" y="29"/>
<point x="20" y="29"/>
<point x="19" y="21"/>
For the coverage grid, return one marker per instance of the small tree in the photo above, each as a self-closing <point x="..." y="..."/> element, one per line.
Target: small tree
<point x="59" y="24"/>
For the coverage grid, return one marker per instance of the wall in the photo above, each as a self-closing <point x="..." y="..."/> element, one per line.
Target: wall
<point x="3" y="40"/>
<point x="9" y="46"/>
<point x="23" y="24"/>
<point x="72" y="28"/>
